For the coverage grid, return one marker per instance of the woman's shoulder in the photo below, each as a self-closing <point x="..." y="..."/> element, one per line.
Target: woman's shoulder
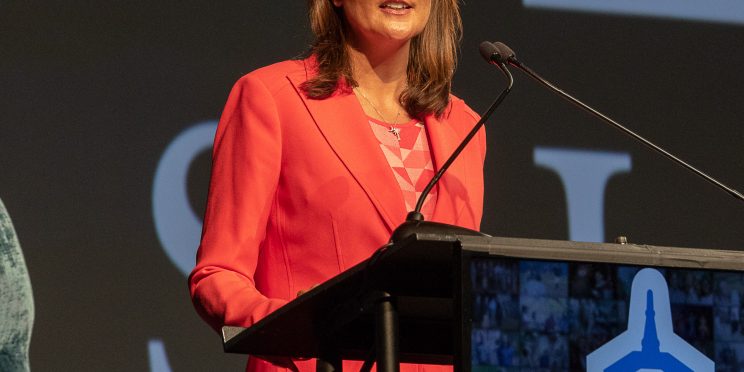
<point x="281" y="69"/>
<point x="275" y="75"/>
<point x="458" y="109"/>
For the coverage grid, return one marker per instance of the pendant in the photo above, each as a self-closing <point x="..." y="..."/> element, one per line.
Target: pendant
<point x="395" y="131"/>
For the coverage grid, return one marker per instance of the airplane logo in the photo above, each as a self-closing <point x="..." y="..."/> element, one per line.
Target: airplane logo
<point x="649" y="343"/>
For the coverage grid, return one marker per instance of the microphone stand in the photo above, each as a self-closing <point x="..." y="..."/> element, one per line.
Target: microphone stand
<point x="512" y="60"/>
<point x="415" y="222"/>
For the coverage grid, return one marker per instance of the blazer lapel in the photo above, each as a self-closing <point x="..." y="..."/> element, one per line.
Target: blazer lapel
<point x="342" y="122"/>
<point x="443" y="141"/>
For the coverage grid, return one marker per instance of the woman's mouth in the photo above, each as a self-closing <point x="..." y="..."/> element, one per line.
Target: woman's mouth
<point x="395" y="7"/>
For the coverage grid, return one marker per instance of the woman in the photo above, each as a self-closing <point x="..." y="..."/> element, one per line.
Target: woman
<point x="316" y="161"/>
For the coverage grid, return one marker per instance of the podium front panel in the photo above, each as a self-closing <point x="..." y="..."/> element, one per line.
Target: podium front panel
<point x="527" y="314"/>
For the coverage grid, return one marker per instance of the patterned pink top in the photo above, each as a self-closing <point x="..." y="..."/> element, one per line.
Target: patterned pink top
<point x="410" y="160"/>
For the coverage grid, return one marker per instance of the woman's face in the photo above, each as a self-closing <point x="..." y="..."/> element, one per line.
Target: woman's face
<point x="385" y="20"/>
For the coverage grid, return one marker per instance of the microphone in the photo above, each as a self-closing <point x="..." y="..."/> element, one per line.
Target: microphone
<point x="500" y="52"/>
<point x="495" y="52"/>
<point x="415" y="222"/>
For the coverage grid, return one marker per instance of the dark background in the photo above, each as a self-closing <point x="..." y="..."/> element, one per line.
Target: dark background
<point x="91" y="93"/>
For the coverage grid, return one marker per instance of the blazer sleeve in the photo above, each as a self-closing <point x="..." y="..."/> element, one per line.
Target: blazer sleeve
<point x="480" y="141"/>
<point x="481" y="136"/>
<point x="467" y="118"/>
<point x="245" y="172"/>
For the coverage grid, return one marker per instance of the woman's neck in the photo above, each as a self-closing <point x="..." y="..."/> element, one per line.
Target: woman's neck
<point x="381" y="73"/>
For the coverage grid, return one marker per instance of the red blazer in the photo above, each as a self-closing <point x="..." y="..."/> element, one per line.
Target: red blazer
<point x="301" y="191"/>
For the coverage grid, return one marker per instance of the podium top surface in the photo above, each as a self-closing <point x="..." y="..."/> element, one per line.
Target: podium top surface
<point x="628" y="254"/>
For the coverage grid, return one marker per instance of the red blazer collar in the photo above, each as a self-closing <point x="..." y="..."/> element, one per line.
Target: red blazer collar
<point x="340" y="118"/>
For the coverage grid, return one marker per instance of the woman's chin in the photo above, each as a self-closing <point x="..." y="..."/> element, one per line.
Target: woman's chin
<point x="400" y="35"/>
<point x="388" y="36"/>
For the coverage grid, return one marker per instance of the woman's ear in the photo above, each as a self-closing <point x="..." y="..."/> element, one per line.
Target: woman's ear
<point x="338" y="3"/>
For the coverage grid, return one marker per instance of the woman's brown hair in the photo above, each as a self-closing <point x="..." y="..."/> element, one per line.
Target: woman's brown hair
<point x="431" y="64"/>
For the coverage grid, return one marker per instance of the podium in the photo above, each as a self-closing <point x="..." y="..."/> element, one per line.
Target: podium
<point x="474" y="302"/>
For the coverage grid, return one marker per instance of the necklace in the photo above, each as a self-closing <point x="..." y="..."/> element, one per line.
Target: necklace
<point x="393" y="126"/>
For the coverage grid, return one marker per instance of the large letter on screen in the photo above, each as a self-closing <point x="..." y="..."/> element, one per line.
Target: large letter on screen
<point x="726" y="11"/>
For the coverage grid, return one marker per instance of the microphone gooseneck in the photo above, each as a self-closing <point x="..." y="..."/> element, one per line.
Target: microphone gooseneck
<point x="415" y="219"/>
<point x="416" y="213"/>
<point x="506" y="53"/>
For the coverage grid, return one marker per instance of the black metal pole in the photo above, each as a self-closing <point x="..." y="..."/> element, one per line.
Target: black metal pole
<point x="386" y="334"/>
<point x="328" y="360"/>
<point x="531" y="73"/>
